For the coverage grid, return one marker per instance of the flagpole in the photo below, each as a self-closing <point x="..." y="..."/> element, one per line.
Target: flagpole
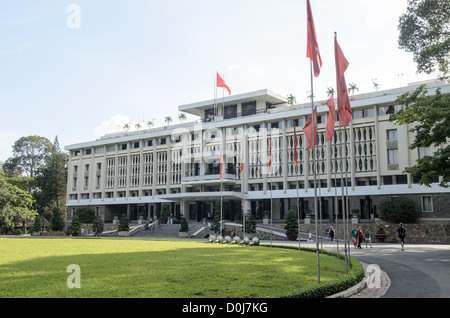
<point x="296" y="174"/>
<point x="271" y="196"/>
<point x="314" y="170"/>
<point x="336" y="207"/>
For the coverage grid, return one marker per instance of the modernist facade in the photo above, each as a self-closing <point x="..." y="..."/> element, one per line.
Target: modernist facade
<point x="136" y="172"/>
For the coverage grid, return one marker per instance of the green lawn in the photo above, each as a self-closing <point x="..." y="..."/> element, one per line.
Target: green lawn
<point x="37" y="267"/>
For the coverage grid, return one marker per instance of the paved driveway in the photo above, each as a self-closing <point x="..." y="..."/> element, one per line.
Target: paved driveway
<point x="420" y="271"/>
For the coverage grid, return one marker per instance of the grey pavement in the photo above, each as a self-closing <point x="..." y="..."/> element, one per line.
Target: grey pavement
<point x="420" y="271"/>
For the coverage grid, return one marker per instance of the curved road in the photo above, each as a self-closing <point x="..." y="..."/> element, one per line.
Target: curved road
<point x="420" y="271"/>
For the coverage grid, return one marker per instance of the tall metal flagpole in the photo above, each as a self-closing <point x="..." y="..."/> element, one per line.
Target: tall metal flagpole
<point x="314" y="169"/>
<point x="221" y="158"/>
<point x="296" y="173"/>
<point x="271" y="190"/>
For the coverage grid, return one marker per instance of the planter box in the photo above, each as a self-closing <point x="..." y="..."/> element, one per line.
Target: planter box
<point x="183" y="234"/>
<point x="291" y="237"/>
<point x="380" y="237"/>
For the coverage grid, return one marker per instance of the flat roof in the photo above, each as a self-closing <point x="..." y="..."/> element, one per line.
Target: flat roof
<point x="265" y="94"/>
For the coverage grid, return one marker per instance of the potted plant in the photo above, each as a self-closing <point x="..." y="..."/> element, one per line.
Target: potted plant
<point x="291" y="226"/>
<point x="75" y="225"/>
<point x="184" y="229"/>
<point x="141" y="218"/>
<point x="123" y="229"/>
<point x="164" y="213"/>
<point x="381" y="235"/>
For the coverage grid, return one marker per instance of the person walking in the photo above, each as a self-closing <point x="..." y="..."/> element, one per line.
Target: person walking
<point x="354" y="236"/>
<point x="331" y="234"/>
<point x="360" y="237"/>
<point x="367" y="237"/>
<point x="401" y="235"/>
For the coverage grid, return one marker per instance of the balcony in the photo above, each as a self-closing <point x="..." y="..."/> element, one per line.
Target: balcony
<point x="208" y="179"/>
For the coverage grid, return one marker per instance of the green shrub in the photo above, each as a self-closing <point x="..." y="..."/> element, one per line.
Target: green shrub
<point x="75" y="224"/>
<point x="37" y="224"/>
<point x="398" y="210"/>
<point x="98" y="224"/>
<point x="85" y="214"/>
<point x="184" y="225"/>
<point x="250" y="222"/>
<point x="291" y="226"/>
<point x="164" y="212"/>
<point x="123" y="223"/>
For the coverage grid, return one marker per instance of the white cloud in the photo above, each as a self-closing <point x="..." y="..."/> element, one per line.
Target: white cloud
<point x="111" y="125"/>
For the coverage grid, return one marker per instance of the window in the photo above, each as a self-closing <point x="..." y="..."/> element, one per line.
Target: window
<point x="392" y="134"/>
<point x="111" y="148"/>
<point x="427" y="203"/>
<point x="99" y="150"/>
<point x="123" y="147"/>
<point x="249" y="108"/>
<point x="393" y="156"/>
<point x="87" y="151"/>
<point x="423" y="151"/>
<point x="388" y="110"/>
<point x="230" y="111"/>
<point x="135" y="145"/>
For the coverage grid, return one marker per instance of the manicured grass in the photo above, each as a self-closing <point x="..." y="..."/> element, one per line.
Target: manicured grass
<point x="37" y="267"/>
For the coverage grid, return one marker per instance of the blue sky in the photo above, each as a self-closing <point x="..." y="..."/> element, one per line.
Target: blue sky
<point x="138" y="60"/>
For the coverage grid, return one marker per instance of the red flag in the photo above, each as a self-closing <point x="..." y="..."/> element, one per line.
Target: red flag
<point x="295" y="147"/>
<point x="221" y="164"/>
<point x="312" y="49"/>
<point x="344" y="108"/>
<point x="242" y="162"/>
<point x="221" y="83"/>
<point x="308" y="130"/>
<point x="331" y="118"/>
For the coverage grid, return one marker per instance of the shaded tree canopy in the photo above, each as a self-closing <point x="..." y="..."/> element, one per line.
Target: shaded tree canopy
<point x="430" y="115"/>
<point x="425" y="31"/>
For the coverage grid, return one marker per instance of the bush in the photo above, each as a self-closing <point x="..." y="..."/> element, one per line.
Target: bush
<point x="37" y="224"/>
<point x="75" y="225"/>
<point x="164" y="212"/>
<point x="85" y="214"/>
<point x="57" y="222"/>
<point x="250" y="222"/>
<point x="184" y="225"/>
<point x="291" y="226"/>
<point x="123" y="223"/>
<point x="398" y="210"/>
<point x="98" y="224"/>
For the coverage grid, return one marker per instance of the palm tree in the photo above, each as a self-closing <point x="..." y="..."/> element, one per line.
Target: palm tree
<point x="168" y="120"/>
<point x="149" y="124"/>
<point x="182" y="117"/>
<point x="353" y="88"/>
<point x="376" y="86"/>
<point x="138" y="126"/>
<point x="126" y="127"/>
<point x="330" y="91"/>
<point x="291" y="99"/>
<point x="310" y="96"/>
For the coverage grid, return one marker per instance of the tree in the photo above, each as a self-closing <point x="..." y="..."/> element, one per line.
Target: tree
<point x="52" y="178"/>
<point x="57" y="221"/>
<point x="425" y="31"/>
<point x="216" y="218"/>
<point x="168" y="120"/>
<point x="14" y="203"/>
<point x="75" y="224"/>
<point x="250" y="222"/>
<point x="431" y="117"/>
<point x="182" y="117"/>
<point x="138" y="126"/>
<point x="29" y="154"/>
<point x="398" y="210"/>
<point x="123" y="223"/>
<point x="291" y="226"/>
<point x="184" y="225"/>
<point x="37" y="224"/>
<point x="98" y="224"/>
<point x="85" y="214"/>
<point x="164" y="212"/>
<point x="291" y="99"/>
<point x="330" y="91"/>
<point x="352" y="88"/>
<point x="149" y="124"/>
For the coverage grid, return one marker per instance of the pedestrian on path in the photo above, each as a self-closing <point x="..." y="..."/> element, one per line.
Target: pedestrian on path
<point x="401" y="235"/>
<point x="367" y="237"/>
<point x="354" y="236"/>
<point x="331" y="233"/>
<point x="360" y="237"/>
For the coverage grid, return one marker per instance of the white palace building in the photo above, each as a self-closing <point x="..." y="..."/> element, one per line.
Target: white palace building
<point x="134" y="173"/>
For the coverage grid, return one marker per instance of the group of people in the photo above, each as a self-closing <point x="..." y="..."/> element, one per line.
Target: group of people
<point x="358" y="235"/>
